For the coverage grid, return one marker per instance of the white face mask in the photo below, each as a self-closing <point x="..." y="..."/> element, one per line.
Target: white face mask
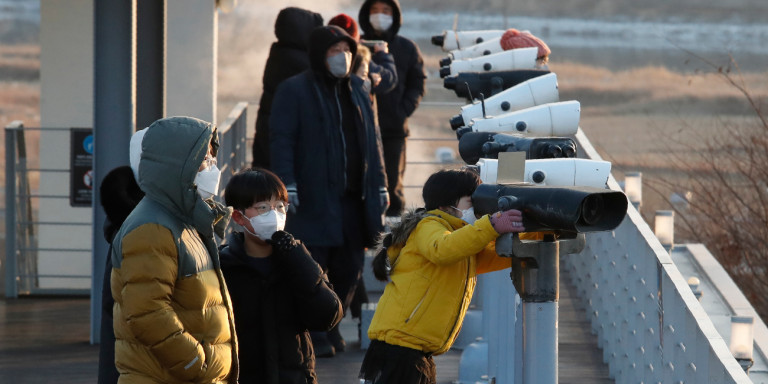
<point x="266" y="225"/>
<point x="468" y="215"/>
<point x="380" y="21"/>
<point x="207" y="182"/>
<point x="339" y="64"/>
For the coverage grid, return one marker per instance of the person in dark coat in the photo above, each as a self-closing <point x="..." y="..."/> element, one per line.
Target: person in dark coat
<point x="328" y="153"/>
<point x="379" y="64"/>
<point x="375" y="69"/>
<point x="278" y="291"/>
<point x="119" y="194"/>
<point x="287" y="57"/>
<point x="381" y="20"/>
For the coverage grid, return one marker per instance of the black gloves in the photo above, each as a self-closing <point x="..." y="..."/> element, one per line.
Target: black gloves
<point x="283" y="241"/>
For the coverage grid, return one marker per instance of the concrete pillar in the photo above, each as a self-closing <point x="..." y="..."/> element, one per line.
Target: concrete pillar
<point x="150" y="61"/>
<point x="66" y="100"/>
<point x="114" y="118"/>
<point x="192" y="27"/>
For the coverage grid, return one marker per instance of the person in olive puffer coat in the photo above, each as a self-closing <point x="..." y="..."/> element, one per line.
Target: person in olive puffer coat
<point x="173" y="318"/>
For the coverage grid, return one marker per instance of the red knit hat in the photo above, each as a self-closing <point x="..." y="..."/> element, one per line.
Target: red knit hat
<point x="513" y="38"/>
<point x="346" y="23"/>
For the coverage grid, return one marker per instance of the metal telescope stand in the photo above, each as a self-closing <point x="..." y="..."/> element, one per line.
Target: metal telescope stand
<point x="536" y="276"/>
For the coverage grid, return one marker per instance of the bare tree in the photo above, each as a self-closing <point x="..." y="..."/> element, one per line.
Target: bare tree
<point x="728" y="177"/>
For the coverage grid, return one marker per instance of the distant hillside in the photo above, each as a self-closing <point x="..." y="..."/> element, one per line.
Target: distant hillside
<point x="751" y="11"/>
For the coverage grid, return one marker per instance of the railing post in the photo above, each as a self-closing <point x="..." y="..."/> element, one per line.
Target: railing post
<point x="11" y="286"/>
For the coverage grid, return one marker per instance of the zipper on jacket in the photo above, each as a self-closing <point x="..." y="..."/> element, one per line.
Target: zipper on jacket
<point x="458" y="312"/>
<point x="417" y="307"/>
<point x="341" y="132"/>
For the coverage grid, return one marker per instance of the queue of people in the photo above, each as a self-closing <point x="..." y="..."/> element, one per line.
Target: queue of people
<point x="328" y="164"/>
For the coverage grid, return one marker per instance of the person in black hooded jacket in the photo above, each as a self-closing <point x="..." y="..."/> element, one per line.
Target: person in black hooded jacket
<point x="287" y="57"/>
<point x="119" y="194"/>
<point x="381" y="20"/>
<point x="328" y="153"/>
<point x="278" y="291"/>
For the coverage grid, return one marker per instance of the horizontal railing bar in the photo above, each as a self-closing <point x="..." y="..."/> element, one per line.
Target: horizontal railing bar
<point x="55" y="276"/>
<point x="52" y="223"/>
<point x="54" y="249"/>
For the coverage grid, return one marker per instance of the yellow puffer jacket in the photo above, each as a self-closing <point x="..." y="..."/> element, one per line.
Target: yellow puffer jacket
<point x="433" y="278"/>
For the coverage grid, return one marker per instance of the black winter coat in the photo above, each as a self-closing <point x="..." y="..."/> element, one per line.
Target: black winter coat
<point x="287" y="57"/>
<point x="308" y="151"/>
<point x="274" y="313"/>
<point x="396" y="106"/>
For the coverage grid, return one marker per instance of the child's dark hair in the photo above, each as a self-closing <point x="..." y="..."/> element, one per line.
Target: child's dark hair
<point x="252" y="185"/>
<point x="445" y="188"/>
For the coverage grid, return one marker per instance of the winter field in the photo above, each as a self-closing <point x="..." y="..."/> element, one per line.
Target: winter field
<point x="628" y="67"/>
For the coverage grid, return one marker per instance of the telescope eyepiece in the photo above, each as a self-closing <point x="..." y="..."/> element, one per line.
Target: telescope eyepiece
<point x="457" y="121"/>
<point x="506" y="203"/>
<point x="438" y="40"/>
<point x="450" y="82"/>
<point x="445" y="71"/>
<point x="461" y="131"/>
<point x="446" y="61"/>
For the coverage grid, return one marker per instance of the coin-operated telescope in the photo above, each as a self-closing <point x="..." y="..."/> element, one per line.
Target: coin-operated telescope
<point x="530" y="93"/>
<point x="482" y="49"/>
<point x="552" y="119"/>
<point x="521" y="58"/>
<point x="558" y="209"/>
<point x="467" y="84"/>
<point x="551" y="172"/>
<point x="476" y="145"/>
<point x="451" y="40"/>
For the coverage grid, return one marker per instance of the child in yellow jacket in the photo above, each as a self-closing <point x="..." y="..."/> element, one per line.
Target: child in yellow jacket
<point x="433" y="258"/>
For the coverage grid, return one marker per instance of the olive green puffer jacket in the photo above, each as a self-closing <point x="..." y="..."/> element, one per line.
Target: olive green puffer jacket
<point x="173" y="317"/>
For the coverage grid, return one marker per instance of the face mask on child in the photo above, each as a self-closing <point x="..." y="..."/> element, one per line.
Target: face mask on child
<point x="266" y="225"/>
<point x="467" y="215"/>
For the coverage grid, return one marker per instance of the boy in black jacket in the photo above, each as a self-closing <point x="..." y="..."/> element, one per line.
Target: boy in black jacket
<point x="279" y="293"/>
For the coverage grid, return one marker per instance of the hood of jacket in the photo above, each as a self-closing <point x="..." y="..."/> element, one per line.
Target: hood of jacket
<point x="320" y="40"/>
<point x="408" y="222"/>
<point x="294" y="25"/>
<point x="365" y="23"/>
<point x="172" y="151"/>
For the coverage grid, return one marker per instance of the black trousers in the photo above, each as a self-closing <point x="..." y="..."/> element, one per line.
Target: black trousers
<point x="344" y="264"/>
<point x="394" y="164"/>
<point x="392" y="364"/>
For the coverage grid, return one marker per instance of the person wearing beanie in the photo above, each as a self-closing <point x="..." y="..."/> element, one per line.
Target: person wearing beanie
<point x="513" y="39"/>
<point x="381" y="71"/>
<point x="287" y="57"/>
<point x="327" y="151"/>
<point x="381" y="20"/>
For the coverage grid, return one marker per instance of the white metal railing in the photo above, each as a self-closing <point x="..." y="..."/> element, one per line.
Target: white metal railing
<point x="647" y="321"/>
<point x="21" y="249"/>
